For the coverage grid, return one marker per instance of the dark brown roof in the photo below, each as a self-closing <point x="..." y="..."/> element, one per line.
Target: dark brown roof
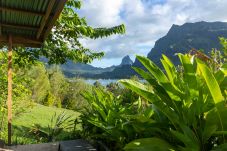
<point x="28" y="21"/>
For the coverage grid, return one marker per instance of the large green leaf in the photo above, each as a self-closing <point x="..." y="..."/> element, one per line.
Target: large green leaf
<point x="211" y="82"/>
<point x="173" y="91"/>
<point x="217" y="116"/>
<point x="189" y="76"/>
<point x="169" y="68"/>
<point x="153" y="69"/>
<point x="149" y="144"/>
<point x="148" y="94"/>
<point x="139" y="88"/>
<point x="159" y="90"/>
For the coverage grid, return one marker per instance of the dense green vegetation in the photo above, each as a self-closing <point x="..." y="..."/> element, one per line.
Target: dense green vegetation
<point x="34" y="85"/>
<point x="39" y="93"/>
<point x="192" y="103"/>
<point x="178" y="107"/>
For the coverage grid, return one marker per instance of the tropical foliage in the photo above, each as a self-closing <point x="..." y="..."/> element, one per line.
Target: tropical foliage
<point x="110" y="122"/>
<point x="186" y="108"/>
<point x="177" y="108"/>
<point x="192" y="104"/>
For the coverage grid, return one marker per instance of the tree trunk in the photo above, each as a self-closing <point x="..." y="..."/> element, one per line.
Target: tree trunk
<point x="10" y="81"/>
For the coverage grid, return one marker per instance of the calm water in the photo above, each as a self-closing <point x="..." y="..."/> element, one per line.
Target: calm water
<point x="104" y="82"/>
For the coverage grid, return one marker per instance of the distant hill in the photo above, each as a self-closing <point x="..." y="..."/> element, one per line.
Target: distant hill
<point x="71" y="69"/>
<point x="123" y="71"/>
<point x="79" y="68"/>
<point x="180" y="39"/>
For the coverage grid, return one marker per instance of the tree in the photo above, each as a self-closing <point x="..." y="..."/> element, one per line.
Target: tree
<point x="73" y="99"/>
<point x="40" y="83"/>
<point x="63" y="42"/>
<point x="59" y="85"/>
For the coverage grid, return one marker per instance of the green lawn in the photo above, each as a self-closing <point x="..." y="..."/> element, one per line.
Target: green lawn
<point x="38" y="114"/>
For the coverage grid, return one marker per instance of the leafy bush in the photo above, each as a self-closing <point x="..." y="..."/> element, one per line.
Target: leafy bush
<point x="110" y="122"/>
<point x="118" y="90"/>
<point x="59" y="85"/>
<point x="73" y="99"/>
<point x="40" y="84"/>
<point x="191" y="103"/>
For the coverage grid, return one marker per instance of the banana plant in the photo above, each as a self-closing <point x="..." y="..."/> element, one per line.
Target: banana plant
<point x="193" y="100"/>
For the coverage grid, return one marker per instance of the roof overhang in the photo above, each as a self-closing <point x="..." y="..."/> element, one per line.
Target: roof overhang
<point x="28" y="21"/>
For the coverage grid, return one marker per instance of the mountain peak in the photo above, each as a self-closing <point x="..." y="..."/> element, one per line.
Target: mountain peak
<point x="182" y="38"/>
<point x="126" y="61"/>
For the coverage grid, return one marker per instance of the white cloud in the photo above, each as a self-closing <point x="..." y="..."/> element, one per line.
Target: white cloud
<point x="102" y="12"/>
<point x="146" y="21"/>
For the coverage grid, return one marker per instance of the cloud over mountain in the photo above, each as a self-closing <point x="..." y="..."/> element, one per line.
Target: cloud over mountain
<point x="145" y="20"/>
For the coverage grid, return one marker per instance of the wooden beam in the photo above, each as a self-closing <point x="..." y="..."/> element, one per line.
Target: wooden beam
<point x="59" y="9"/>
<point x="26" y="40"/>
<point x="27" y="12"/>
<point x="19" y="26"/>
<point x="45" y="18"/>
<point x="22" y="41"/>
<point x="27" y="45"/>
<point x="10" y="89"/>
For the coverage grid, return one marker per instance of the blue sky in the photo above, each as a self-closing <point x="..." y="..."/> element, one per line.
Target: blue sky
<point x="146" y="21"/>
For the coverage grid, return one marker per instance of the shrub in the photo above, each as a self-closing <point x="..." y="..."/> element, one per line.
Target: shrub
<point x="111" y="122"/>
<point x="73" y="99"/>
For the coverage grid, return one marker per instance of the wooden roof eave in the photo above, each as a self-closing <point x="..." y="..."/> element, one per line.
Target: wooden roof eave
<point x="21" y="41"/>
<point x="8" y="9"/>
<point x="50" y="16"/>
<point x="59" y="9"/>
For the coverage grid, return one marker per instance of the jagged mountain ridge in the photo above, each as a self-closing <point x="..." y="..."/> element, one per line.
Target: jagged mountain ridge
<point x="80" y="68"/>
<point x="180" y="39"/>
<point x="71" y="69"/>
